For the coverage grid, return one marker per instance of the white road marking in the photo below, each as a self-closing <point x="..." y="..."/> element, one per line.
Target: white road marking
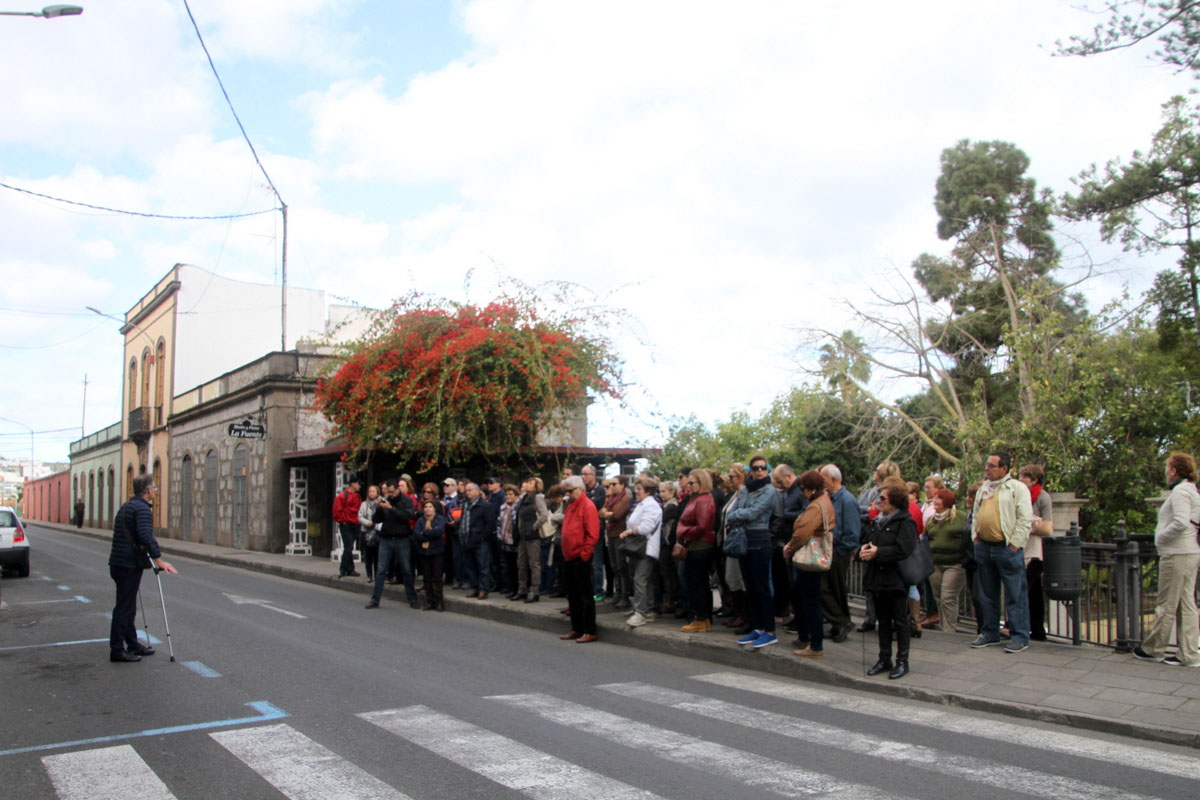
<point x="500" y="759"/>
<point x="1058" y="741"/>
<point x="264" y="603"/>
<point x="106" y="773"/>
<point x="300" y="768"/>
<point x="1007" y="776"/>
<point x="717" y="759"/>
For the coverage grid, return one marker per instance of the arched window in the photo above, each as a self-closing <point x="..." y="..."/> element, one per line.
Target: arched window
<point x="90" y="511"/>
<point x="146" y="377"/>
<point x="185" y="498"/>
<point x="160" y="500"/>
<point x="132" y="384"/>
<point x="98" y="513"/>
<point x="108" y="520"/>
<point x="160" y="360"/>
<point x="210" y="497"/>
<point x="240" y="511"/>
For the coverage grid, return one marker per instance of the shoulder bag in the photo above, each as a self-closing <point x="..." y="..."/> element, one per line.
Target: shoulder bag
<point x="817" y="554"/>
<point x="917" y="565"/>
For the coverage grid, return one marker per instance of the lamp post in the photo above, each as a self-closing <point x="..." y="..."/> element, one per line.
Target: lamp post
<point x="49" y="12"/>
<point x="26" y="427"/>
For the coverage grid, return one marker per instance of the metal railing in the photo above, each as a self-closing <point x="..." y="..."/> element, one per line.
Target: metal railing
<point x="139" y="420"/>
<point x="1116" y="606"/>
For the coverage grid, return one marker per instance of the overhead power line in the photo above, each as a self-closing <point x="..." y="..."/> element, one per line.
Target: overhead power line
<point x="133" y="213"/>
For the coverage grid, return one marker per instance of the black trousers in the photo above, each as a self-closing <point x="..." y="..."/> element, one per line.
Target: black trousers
<point x="578" y="575"/>
<point x="431" y="566"/>
<point x="891" y="609"/>
<point x="835" y="601"/>
<point x="122" y="634"/>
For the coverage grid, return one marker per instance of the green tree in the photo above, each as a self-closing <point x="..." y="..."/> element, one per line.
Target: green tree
<point x="1152" y="204"/>
<point x="1175" y="24"/>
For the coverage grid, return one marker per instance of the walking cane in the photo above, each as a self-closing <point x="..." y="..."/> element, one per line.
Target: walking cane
<point x="166" y="626"/>
<point x="145" y="621"/>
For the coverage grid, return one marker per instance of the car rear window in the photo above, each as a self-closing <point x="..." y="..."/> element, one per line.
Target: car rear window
<point x="8" y="519"/>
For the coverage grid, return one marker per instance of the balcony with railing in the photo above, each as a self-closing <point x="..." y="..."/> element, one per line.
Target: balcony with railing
<point x="140" y="423"/>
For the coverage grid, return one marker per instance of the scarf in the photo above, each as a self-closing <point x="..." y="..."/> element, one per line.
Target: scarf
<point x="949" y="513"/>
<point x="1034" y="491"/>
<point x="989" y="488"/>
<point x="754" y="484"/>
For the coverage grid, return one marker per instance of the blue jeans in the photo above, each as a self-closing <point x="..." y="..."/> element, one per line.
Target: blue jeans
<point x="597" y="566"/>
<point x="397" y="553"/>
<point x="756" y="574"/>
<point x="479" y="566"/>
<point x="348" y="532"/>
<point x="996" y="566"/>
<point x="458" y="561"/>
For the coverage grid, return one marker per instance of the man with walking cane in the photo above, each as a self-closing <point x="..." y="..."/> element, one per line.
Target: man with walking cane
<point x="133" y="549"/>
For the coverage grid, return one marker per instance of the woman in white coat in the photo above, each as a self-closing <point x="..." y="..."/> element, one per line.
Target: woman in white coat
<point x="642" y="534"/>
<point x="1175" y="538"/>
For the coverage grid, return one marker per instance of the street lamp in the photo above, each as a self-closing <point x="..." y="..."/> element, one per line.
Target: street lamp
<point x="130" y="324"/>
<point x="49" y="12"/>
<point x="31" y="432"/>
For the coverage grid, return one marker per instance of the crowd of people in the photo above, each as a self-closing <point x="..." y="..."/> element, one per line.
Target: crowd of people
<point x="775" y="546"/>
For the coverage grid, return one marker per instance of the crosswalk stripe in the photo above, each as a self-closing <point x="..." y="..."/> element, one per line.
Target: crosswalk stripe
<point x="969" y="768"/>
<point x="500" y="759"/>
<point x="737" y="765"/>
<point x="105" y="773"/>
<point x="300" y="768"/>
<point x="1057" y="741"/>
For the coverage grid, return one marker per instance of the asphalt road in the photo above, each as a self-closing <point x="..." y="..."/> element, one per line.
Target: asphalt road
<point x="283" y="689"/>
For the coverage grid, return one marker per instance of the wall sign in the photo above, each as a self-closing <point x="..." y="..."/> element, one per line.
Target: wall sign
<point x="247" y="430"/>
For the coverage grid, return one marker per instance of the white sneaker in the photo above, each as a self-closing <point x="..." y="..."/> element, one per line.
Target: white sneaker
<point x="635" y="620"/>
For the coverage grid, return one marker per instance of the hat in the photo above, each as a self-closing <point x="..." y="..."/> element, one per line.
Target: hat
<point x="450" y="482"/>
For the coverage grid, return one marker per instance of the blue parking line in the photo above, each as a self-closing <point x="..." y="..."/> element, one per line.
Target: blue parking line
<point x="201" y="670"/>
<point x="153" y="640"/>
<point x="64" y="588"/>
<point x="82" y="599"/>
<point x="266" y="712"/>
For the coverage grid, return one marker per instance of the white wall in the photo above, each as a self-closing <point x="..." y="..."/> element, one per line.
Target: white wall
<point x="222" y="324"/>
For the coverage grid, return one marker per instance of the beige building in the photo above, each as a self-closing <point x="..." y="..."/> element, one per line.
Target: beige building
<point x="190" y="328"/>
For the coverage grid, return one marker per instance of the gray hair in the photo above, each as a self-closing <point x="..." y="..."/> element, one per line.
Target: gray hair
<point x="572" y="483"/>
<point x="141" y="483"/>
<point x="830" y="471"/>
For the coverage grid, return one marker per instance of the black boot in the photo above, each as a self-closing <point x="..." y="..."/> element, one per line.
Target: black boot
<point x="900" y="671"/>
<point x="882" y="665"/>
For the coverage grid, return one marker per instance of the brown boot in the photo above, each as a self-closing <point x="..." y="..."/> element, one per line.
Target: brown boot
<point x="914" y="617"/>
<point x="740" y="606"/>
<point x="931" y="621"/>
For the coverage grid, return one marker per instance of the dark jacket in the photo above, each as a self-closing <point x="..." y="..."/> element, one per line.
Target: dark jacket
<point x="434" y="535"/>
<point x="896" y="539"/>
<point x="141" y="525"/>
<point x="397" y="520"/>
<point x="481" y="525"/>
<point x="789" y="505"/>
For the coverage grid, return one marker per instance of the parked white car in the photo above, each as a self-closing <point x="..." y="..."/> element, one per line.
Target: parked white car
<point x="14" y="544"/>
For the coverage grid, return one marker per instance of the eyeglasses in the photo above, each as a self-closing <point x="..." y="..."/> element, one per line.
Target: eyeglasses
<point x="990" y="465"/>
<point x="759" y="468"/>
<point x="692" y="483"/>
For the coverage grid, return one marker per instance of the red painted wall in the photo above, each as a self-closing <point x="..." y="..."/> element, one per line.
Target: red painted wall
<point x="48" y="499"/>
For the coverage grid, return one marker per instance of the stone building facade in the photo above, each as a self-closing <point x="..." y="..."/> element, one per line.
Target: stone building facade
<point x="229" y="483"/>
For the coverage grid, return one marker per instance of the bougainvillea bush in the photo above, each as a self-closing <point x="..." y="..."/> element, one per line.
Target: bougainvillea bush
<point x="441" y="380"/>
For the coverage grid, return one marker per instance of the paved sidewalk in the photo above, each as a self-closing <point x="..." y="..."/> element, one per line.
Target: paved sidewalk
<point x="1086" y="687"/>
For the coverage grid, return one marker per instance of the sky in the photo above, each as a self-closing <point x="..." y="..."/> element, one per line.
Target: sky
<point x="723" y="173"/>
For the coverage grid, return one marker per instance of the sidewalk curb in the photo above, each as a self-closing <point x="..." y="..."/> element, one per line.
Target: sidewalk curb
<point x="660" y="637"/>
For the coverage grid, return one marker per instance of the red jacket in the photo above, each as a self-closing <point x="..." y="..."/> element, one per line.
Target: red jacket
<point x="580" y="529"/>
<point x="696" y="524"/>
<point x="345" y="507"/>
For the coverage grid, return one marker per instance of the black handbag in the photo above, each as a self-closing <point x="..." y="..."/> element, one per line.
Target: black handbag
<point x="917" y="565"/>
<point x="633" y="545"/>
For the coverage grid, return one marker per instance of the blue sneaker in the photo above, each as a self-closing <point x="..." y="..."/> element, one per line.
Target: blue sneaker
<point x="764" y="640"/>
<point x="750" y="638"/>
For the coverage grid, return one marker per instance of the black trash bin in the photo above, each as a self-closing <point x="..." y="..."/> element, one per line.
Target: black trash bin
<point x="1062" y="567"/>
